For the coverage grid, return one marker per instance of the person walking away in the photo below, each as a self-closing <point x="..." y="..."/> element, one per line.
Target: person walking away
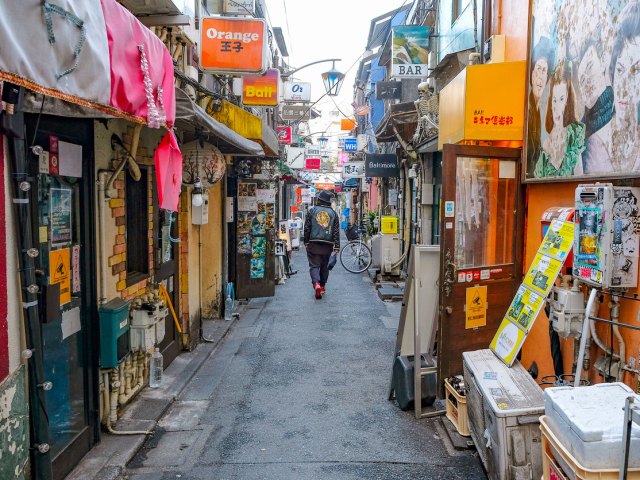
<point x="321" y="238"/>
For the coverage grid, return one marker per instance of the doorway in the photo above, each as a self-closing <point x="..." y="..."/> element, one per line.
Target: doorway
<point x="64" y="224"/>
<point x="166" y="260"/>
<point x="481" y="248"/>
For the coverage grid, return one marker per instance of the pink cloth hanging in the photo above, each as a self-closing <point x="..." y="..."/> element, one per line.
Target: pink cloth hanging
<point x="168" y="161"/>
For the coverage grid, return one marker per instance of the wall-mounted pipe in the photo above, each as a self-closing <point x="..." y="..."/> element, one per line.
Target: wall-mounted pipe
<point x="614" y="305"/>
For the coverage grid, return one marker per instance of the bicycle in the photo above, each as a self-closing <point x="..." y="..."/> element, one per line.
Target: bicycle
<point x="355" y="256"/>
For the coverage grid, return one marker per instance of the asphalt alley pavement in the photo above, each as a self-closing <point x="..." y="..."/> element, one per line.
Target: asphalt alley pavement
<point x="298" y="390"/>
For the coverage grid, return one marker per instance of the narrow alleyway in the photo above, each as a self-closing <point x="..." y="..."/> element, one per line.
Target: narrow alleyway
<point x="298" y="390"/>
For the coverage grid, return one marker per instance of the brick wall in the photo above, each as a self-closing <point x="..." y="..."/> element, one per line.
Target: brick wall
<point x="118" y="261"/>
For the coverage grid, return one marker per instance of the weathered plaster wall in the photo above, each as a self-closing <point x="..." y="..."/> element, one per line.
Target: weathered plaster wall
<point x="14" y="416"/>
<point x="14" y="427"/>
<point x="13" y="323"/>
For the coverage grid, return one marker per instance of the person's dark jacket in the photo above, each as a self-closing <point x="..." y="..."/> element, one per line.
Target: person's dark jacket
<point x="335" y="231"/>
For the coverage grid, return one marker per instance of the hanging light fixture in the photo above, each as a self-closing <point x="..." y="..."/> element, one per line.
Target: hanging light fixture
<point x="332" y="80"/>
<point x="196" y="195"/>
<point x="202" y="162"/>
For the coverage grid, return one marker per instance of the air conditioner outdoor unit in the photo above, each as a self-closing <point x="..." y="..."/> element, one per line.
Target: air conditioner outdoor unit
<point x="385" y="250"/>
<point x="494" y="49"/>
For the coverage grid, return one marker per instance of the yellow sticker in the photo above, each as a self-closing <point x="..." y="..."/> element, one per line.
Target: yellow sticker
<point x="558" y="241"/>
<point x="43" y="234"/>
<point x="524" y="308"/>
<point x="59" y="273"/>
<point x="542" y="273"/>
<point x="476" y="307"/>
<point x="507" y="341"/>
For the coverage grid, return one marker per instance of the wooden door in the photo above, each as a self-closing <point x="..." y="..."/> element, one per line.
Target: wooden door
<point x="481" y="248"/>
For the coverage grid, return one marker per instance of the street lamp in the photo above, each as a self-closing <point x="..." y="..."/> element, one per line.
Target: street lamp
<point x="332" y="80"/>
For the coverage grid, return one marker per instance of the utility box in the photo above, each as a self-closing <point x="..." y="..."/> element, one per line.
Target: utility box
<point x="114" y="332"/>
<point x="606" y="241"/>
<point x="200" y="214"/>
<point x="504" y="406"/>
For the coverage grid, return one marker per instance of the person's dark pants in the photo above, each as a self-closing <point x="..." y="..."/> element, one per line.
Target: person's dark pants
<point x="318" y="255"/>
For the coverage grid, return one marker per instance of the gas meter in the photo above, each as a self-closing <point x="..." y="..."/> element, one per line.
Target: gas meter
<point x="606" y="235"/>
<point x="567" y="310"/>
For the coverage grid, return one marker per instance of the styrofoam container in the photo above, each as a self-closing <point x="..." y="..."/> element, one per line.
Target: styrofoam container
<point x="589" y="422"/>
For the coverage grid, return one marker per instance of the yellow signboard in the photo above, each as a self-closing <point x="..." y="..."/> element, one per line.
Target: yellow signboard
<point x="542" y="273"/>
<point x="507" y="342"/>
<point x="558" y="241"/>
<point x="484" y="102"/>
<point x="59" y="272"/>
<point x="476" y="307"/>
<point x="524" y="308"/>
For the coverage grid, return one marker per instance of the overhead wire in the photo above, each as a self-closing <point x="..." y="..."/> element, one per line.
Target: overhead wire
<point x="286" y="19"/>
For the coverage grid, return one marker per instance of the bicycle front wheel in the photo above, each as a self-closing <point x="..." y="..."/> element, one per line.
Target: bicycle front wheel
<point x="355" y="257"/>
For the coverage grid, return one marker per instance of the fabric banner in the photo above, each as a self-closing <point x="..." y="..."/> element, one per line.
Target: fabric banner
<point x="92" y="53"/>
<point x="168" y="162"/>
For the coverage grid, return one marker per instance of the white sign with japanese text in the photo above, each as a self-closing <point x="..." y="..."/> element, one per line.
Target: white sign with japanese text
<point x="353" y="170"/>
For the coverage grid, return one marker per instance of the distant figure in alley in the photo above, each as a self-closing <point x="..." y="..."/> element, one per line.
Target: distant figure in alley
<point x="321" y="238"/>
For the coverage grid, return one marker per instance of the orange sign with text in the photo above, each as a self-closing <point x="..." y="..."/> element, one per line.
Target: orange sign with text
<point x="324" y="186"/>
<point x="233" y="45"/>
<point x="261" y="90"/>
<point x="347" y="124"/>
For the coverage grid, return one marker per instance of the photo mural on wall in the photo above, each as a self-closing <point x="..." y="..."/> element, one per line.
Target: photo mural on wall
<point x="584" y="89"/>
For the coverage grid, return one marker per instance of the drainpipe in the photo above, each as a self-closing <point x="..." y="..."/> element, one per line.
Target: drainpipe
<point x="13" y="127"/>
<point x="102" y="178"/>
<point x="614" y="305"/>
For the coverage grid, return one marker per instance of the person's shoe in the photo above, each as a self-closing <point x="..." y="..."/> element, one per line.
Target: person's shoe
<point x="292" y="272"/>
<point x="318" y="288"/>
<point x="322" y="290"/>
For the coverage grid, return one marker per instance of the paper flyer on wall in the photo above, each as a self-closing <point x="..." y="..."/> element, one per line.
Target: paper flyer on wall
<point x="558" y="240"/>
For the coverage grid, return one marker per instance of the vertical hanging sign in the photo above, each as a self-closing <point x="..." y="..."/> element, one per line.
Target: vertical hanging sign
<point x="410" y="51"/>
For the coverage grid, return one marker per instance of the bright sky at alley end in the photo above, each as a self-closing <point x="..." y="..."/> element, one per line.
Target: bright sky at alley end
<point x="319" y="29"/>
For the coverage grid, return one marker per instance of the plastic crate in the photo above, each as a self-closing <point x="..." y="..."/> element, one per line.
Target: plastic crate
<point x="457" y="409"/>
<point x="389" y="225"/>
<point x="559" y="464"/>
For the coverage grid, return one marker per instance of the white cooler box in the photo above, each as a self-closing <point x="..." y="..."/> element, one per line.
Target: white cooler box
<point x="504" y="407"/>
<point x="588" y="421"/>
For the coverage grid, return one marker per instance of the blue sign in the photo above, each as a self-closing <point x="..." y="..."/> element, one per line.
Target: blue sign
<point x="350" y="144"/>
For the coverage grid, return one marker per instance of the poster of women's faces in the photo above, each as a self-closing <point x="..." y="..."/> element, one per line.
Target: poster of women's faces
<point x="584" y="89"/>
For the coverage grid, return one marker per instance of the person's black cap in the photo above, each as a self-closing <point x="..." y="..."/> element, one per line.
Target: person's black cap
<point x="325" y="196"/>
